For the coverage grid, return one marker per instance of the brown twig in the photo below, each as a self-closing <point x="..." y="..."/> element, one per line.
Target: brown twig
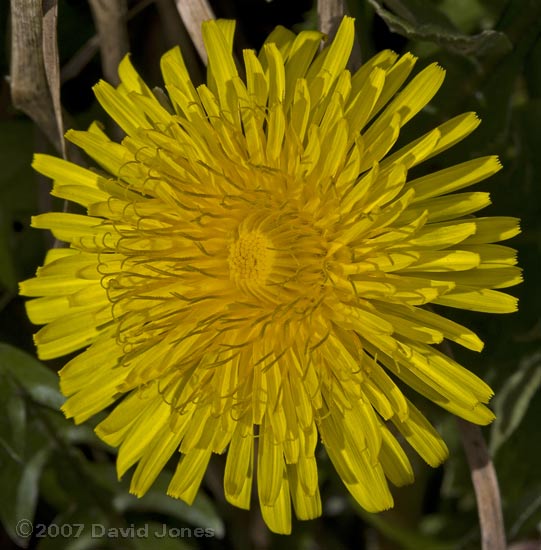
<point x="193" y="13"/>
<point x="173" y="29"/>
<point x="80" y="59"/>
<point x="175" y="33"/>
<point x="484" y="479"/>
<point x="52" y="65"/>
<point x="34" y="85"/>
<point x="110" y="17"/>
<point x="485" y="483"/>
<point x="28" y="81"/>
<point x="330" y="14"/>
<point x="88" y="50"/>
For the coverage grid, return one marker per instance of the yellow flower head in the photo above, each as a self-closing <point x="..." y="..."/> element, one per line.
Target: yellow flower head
<point x="252" y="272"/>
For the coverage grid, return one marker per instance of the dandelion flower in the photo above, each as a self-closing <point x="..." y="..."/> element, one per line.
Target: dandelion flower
<point x="253" y="269"/>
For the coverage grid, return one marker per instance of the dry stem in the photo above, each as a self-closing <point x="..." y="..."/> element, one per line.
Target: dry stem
<point x="110" y="17"/>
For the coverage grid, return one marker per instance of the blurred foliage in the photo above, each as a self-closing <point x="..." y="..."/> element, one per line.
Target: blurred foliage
<point x="55" y="473"/>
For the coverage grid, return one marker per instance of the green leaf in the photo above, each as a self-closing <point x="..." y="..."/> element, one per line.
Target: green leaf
<point x="12" y="419"/>
<point x="512" y="401"/>
<point x="75" y="530"/>
<point x="419" y="19"/>
<point x="166" y="537"/>
<point x="28" y="489"/>
<point x="24" y="449"/>
<point x="407" y="538"/>
<point x="525" y="521"/>
<point x="201" y="513"/>
<point x="16" y="414"/>
<point x="465" y="14"/>
<point x="36" y="379"/>
<point x="517" y="464"/>
<point x="20" y="491"/>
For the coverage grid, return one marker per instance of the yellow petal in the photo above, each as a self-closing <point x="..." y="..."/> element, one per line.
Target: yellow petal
<point x="155" y="456"/>
<point x="306" y="505"/>
<point x="440" y="235"/>
<point x="69" y="333"/>
<point x="410" y="100"/>
<point x="502" y="277"/>
<point x="383" y="60"/>
<point x="448" y="207"/>
<point x="53" y="285"/>
<point x="395" y="76"/>
<point x="450" y="330"/>
<point x="394" y="460"/>
<point x="479" y="299"/>
<point x="239" y="465"/>
<point x="220" y="65"/>
<point x="334" y="61"/>
<point x="300" y="109"/>
<point x="455" y="177"/>
<point x="360" y="108"/>
<point x="178" y="83"/>
<point x="120" y="108"/>
<point x="115" y="427"/>
<point x="493" y="255"/>
<point x="114" y="158"/>
<point x="283" y="39"/>
<point x="276" y="75"/>
<point x="364" y="479"/>
<point x="494" y="229"/>
<point x="302" y="52"/>
<point x="444" y="261"/>
<point x="270" y="466"/>
<point x="189" y="474"/>
<point x="421" y="435"/>
<point x="153" y="420"/>
<point x="446" y="135"/>
<point x="277" y="516"/>
<point x="81" y="183"/>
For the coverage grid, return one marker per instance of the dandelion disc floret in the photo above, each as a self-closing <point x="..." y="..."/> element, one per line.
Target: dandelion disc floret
<point x="249" y="258"/>
<point x="255" y="266"/>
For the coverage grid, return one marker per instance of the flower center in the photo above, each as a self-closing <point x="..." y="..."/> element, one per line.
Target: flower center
<point x="250" y="258"/>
